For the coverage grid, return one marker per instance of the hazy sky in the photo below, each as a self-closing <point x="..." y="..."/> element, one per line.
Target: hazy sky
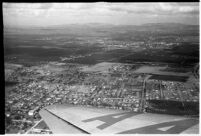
<point x="43" y="14"/>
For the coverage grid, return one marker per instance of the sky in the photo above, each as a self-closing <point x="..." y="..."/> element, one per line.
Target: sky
<point x="47" y="14"/>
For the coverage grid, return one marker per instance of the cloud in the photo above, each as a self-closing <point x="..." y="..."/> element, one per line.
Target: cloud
<point x="26" y="9"/>
<point x="46" y="6"/>
<point x="28" y="5"/>
<point x="101" y="8"/>
<point x="179" y="8"/>
<point x="157" y="8"/>
<point x="100" y="11"/>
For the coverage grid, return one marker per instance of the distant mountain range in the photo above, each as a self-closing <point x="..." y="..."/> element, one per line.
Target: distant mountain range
<point x="99" y="29"/>
<point x="106" y="25"/>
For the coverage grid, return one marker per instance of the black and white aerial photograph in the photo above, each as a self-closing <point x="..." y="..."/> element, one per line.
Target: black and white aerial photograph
<point x="101" y="67"/>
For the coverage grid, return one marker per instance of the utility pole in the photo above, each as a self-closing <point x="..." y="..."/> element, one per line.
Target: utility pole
<point x="161" y="91"/>
<point x="143" y="97"/>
